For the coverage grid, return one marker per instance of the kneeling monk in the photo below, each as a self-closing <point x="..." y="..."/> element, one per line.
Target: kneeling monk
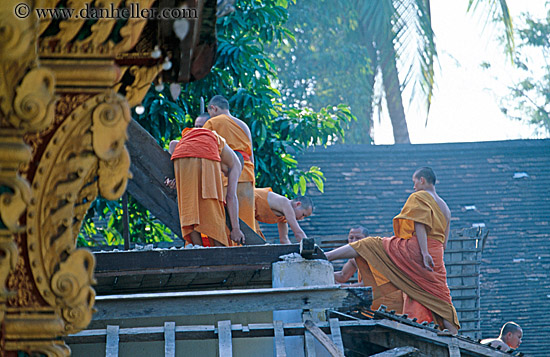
<point x="412" y="260"/>
<point x="273" y="208"/>
<point x="199" y="159"/>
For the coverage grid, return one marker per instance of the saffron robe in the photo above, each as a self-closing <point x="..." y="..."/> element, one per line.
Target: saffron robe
<point x="262" y="211"/>
<point x="237" y="140"/>
<point x="399" y="260"/>
<point x="197" y="166"/>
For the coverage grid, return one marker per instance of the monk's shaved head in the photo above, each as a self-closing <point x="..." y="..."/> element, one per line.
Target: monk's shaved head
<point x="427" y="173"/>
<point x="361" y="229"/>
<point x="220" y="102"/>
<point x="201" y="120"/>
<point x="305" y="202"/>
<point x="509" y="327"/>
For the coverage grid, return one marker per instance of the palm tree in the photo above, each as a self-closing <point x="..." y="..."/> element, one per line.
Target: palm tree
<point x="401" y="39"/>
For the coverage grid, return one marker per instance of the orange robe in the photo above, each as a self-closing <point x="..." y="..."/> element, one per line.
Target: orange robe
<point x="398" y="259"/>
<point x="199" y="184"/>
<point x="263" y="212"/>
<point x="237" y="140"/>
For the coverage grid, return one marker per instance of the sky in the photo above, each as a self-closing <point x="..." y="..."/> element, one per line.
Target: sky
<point x="466" y="102"/>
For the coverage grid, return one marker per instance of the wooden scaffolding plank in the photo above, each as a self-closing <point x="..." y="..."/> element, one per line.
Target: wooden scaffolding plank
<point x="309" y="344"/>
<point x="111" y="347"/>
<point x="280" y="348"/>
<point x="224" y="338"/>
<point x="336" y="334"/>
<point x="323" y="339"/>
<point x="169" y="339"/>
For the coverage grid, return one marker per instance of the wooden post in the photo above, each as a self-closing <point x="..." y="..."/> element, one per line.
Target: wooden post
<point x="280" y="348"/>
<point x="309" y="344"/>
<point x="224" y="338"/>
<point x="323" y="338"/>
<point x="111" y="348"/>
<point x="336" y="334"/>
<point x="169" y="339"/>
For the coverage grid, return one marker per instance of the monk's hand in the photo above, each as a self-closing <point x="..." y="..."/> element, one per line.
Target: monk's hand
<point x="428" y="262"/>
<point x="237" y="236"/>
<point x="171" y="183"/>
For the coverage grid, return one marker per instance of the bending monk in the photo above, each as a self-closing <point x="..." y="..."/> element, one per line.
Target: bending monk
<point x="199" y="159"/>
<point x="510" y="337"/>
<point x="393" y="301"/>
<point x="238" y="138"/>
<point x="412" y="260"/>
<point x="273" y="208"/>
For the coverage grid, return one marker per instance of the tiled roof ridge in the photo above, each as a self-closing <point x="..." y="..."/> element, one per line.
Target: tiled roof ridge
<point x="468" y="146"/>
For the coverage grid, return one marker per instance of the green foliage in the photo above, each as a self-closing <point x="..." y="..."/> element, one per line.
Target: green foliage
<point x="328" y="62"/>
<point x="244" y="74"/>
<point x="143" y="227"/>
<point x="530" y="97"/>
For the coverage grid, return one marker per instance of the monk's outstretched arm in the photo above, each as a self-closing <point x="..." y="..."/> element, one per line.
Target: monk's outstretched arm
<point x="290" y="216"/>
<point x="284" y="205"/>
<point x="345" y="252"/>
<point x="283" y="233"/>
<point x="422" y="236"/>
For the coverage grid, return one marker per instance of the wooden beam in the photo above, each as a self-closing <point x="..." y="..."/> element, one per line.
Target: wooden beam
<point x="398" y="352"/>
<point x="185" y="260"/>
<point x="323" y="339"/>
<point x="228" y="301"/>
<point x="150" y="165"/>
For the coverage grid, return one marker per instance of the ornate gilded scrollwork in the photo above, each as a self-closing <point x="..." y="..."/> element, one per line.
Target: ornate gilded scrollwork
<point x="85" y="156"/>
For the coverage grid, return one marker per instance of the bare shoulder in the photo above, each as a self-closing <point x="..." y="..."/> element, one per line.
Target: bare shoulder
<point x="242" y="124"/>
<point x="443" y="206"/>
<point x="495" y="342"/>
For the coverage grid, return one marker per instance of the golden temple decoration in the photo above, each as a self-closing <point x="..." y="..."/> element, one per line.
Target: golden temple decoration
<point x="66" y="87"/>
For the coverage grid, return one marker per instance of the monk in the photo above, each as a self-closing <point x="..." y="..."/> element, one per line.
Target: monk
<point x="238" y="138"/>
<point x="199" y="159"/>
<point x="510" y="337"/>
<point x="393" y="301"/>
<point x="273" y="208"/>
<point x="412" y="260"/>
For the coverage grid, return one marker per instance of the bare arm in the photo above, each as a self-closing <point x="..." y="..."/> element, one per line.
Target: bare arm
<point x="347" y="272"/>
<point x="447" y="231"/>
<point x="283" y="233"/>
<point x="229" y="158"/>
<point x="284" y="205"/>
<point x="172" y="146"/>
<point x="423" y="243"/>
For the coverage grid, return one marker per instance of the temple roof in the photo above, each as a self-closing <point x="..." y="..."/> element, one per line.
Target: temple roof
<point x="502" y="185"/>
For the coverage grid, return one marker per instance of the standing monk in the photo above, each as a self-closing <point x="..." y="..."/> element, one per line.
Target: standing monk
<point x="273" y="208"/>
<point x="412" y="260"/>
<point x="238" y="137"/>
<point x="199" y="159"/>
